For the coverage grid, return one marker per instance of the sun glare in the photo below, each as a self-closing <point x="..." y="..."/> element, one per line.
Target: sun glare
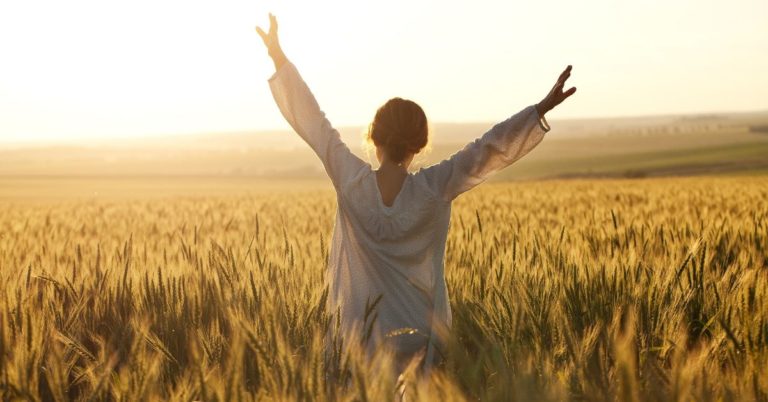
<point x="98" y="69"/>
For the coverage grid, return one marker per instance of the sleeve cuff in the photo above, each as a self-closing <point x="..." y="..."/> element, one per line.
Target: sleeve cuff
<point x="542" y="120"/>
<point x="281" y="71"/>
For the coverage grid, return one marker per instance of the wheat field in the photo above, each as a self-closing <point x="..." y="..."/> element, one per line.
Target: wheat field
<point x="582" y="290"/>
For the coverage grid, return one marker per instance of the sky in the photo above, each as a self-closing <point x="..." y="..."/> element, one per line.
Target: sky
<point x="101" y="69"/>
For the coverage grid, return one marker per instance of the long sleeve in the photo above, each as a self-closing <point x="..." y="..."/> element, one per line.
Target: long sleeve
<point x="498" y="148"/>
<point x="300" y="109"/>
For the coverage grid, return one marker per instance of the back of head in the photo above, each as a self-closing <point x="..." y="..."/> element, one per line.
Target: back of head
<point x="400" y="128"/>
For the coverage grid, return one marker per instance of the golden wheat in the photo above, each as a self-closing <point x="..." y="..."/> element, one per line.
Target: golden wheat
<point x="561" y="290"/>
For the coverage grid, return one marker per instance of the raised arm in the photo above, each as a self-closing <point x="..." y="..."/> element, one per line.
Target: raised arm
<point x="300" y="109"/>
<point x="498" y="148"/>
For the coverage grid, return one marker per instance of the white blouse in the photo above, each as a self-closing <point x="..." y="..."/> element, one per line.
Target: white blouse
<point x="394" y="255"/>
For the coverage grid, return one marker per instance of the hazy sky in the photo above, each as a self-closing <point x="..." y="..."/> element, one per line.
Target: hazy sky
<point x="75" y="69"/>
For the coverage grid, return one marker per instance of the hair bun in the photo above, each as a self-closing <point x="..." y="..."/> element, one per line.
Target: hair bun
<point x="400" y="127"/>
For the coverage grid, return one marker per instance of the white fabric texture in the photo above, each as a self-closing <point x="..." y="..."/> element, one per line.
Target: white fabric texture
<point x="396" y="252"/>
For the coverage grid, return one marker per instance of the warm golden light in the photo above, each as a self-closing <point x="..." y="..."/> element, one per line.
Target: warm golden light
<point x="94" y="69"/>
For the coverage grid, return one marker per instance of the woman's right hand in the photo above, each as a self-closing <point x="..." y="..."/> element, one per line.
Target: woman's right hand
<point x="272" y="43"/>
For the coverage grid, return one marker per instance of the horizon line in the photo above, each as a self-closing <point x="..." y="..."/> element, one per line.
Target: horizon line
<point x="78" y="140"/>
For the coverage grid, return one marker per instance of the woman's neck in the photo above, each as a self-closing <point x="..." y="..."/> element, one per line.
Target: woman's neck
<point x="388" y="167"/>
<point x="389" y="179"/>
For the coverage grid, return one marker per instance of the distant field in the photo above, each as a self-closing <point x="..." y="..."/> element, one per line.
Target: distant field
<point x="738" y="158"/>
<point x="100" y="188"/>
<point x="630" y="147"/>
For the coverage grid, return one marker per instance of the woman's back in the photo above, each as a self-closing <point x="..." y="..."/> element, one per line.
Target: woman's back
<point x="393" y="256"/>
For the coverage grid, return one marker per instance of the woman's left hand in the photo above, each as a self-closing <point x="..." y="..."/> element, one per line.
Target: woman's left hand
<point x="556" y="96"/>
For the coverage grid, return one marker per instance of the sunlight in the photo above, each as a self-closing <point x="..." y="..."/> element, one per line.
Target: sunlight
<point x="87" y="68"/>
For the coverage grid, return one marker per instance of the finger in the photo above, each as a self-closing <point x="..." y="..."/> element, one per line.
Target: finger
<point x="272" y="22"/>
<point x="261" y="33"/>
<point x="570" y="92"/>
<point x="565" y="74"/>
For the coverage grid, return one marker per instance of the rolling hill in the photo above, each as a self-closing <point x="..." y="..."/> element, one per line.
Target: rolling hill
<point x="616" y="147"/>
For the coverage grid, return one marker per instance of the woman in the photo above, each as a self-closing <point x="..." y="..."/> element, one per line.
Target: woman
<point x="386" y="257"/>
